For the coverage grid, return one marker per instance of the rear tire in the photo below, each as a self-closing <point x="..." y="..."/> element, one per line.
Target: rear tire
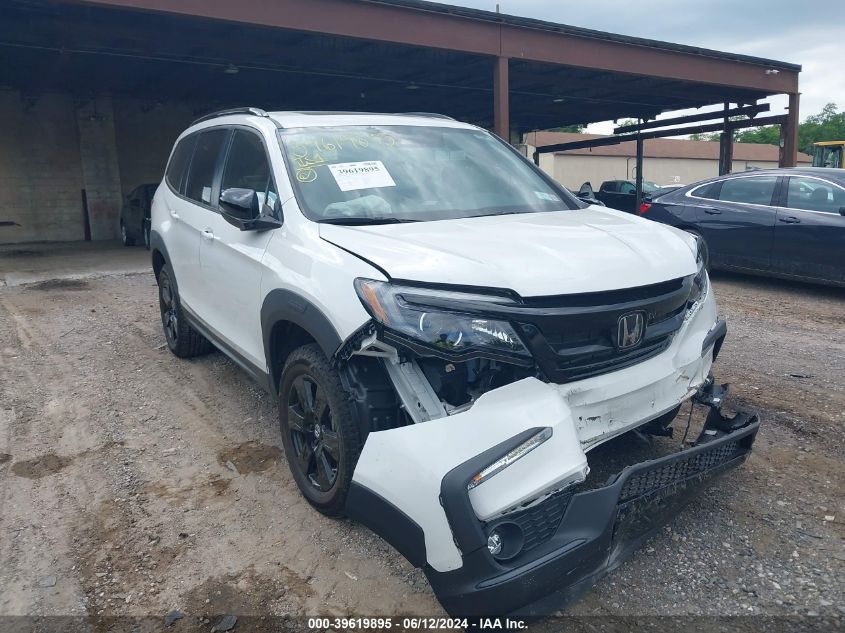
<point x="124" y="236"/>
<point x="183" y="340"/>
<point x="146" y="233"/>
<point x="322" y="442"/>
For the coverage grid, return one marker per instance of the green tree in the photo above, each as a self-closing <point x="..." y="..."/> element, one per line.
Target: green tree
<point x="578" y="129"/>
<point x="768" y="135"/>
<point x="827" y="125"/>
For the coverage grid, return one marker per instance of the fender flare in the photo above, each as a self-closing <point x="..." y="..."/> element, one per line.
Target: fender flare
<point x="286" y="305"/>
<point x="157" y="247"/>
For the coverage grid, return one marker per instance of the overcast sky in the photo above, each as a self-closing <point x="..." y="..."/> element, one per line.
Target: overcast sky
<point x="806" y="32"/>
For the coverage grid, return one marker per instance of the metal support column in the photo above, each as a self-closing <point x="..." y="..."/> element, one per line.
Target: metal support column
<point x="789" y="135"/>
<point x="501" y="110"/>
<point x="726" y="145"/>
<point x="639" y="178"/>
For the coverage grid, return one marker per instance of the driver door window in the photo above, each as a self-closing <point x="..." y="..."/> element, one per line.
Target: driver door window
<point x="814" y="195"/>
<point x="247" y="167"/>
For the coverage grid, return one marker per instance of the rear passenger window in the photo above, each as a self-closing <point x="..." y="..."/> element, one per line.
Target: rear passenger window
<point x="181" y="157"/>
<point x="753" y="190"/>
<point x="203" y="164"/>
<point x="709" y="191"/>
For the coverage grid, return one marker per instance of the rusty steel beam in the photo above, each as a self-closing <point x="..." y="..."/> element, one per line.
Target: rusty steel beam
<point x="789" y="135"/>
<point x="501" y="105"/>
<point x="465" y="33"/>
<point x="693" y="129"/>
<point x="750" y="111"/>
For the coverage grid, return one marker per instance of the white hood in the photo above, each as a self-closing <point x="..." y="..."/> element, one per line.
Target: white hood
<point x="533" y="254"/>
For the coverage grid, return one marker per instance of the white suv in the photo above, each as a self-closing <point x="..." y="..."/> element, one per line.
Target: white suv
<point x="449" y="333"/>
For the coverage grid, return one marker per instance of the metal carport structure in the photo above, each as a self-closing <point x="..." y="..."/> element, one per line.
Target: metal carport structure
<point x="502" y="72"/>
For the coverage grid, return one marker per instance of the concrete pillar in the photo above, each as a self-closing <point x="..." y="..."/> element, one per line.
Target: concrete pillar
<point x="789" y="135"/>
<point x="501" y="107"/>
<point x="100" y="171"/>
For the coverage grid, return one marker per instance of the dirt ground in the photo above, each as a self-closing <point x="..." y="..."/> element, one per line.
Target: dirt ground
<point x="134" y="483"/>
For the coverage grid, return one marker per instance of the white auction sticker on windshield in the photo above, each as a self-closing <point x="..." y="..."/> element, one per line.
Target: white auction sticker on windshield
<point x="366" y="174"/>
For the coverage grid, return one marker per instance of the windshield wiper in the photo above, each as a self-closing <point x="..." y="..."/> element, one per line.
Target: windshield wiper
<point x="366" y="221"/>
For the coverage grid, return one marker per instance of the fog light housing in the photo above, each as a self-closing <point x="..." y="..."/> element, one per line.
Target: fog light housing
<point x="505" y="541"/>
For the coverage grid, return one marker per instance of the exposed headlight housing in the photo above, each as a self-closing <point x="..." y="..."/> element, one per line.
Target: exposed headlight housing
<point x="701" y="281"/>
<point x="421" y="318"/>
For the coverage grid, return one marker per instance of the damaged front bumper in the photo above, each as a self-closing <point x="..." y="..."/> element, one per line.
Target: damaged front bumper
<point x="568" y="540"/>
<point x="411" y="484"/>
<point x="580" y="536"/>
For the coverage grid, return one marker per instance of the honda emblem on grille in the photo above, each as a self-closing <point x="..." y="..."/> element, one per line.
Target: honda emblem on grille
<point x="630" y="330"/>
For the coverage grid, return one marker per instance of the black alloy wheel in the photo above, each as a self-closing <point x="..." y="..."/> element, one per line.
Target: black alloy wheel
<point x="169" y="311"/>
<point x="321" y="437"/>
<point x="314" y="438"/>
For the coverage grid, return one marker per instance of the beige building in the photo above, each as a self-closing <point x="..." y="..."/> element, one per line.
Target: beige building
<point x="666" y="161"/>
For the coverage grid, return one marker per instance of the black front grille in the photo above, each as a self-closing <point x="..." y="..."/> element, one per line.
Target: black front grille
<point x="538" y="523"/>
<point x="575" y="337"/>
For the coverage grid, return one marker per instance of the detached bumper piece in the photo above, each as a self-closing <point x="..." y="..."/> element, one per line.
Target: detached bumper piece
<point x="571" y="539"/>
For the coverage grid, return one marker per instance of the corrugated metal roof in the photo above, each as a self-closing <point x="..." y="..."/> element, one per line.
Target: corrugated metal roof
<point x="514" y="20"/>
<point x="661" y="148"/>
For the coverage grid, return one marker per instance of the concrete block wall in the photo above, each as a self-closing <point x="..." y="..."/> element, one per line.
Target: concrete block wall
<point x="54" y="146"/>
<point x="145" y="133"/>
<point x="40" y="169"/>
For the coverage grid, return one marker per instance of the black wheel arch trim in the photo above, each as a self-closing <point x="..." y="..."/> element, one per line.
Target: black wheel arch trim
<point x="282" y="305"/>
<point x="157" y="247"/>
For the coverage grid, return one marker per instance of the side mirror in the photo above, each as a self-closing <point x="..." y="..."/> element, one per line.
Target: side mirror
<point x="240" y="208"/>
<point x="240" y="204"/>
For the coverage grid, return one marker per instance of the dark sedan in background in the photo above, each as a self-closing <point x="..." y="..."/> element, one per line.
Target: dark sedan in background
<point x="135" y="215"/>
<point x="780" y="222"/>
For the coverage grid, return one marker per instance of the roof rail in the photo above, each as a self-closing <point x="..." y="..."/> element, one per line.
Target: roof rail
<point x="431" y="115"/>
<point x="214" y="115"/>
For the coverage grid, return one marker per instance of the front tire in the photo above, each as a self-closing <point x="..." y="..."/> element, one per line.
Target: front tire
<point x="183" y="340"/>
<point x="146" y="232"/>
<point x="321" y="439"/>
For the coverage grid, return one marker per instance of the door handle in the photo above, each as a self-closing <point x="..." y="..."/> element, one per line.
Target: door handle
<point x="712" y="211"/>
<point x="174" y="215"/>
<point x="790" y="219"/>
<point x="208" y="234"/>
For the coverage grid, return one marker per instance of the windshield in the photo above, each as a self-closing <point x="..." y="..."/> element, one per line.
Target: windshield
<point x="649" y="186"/>
<point x="412" y="173"/>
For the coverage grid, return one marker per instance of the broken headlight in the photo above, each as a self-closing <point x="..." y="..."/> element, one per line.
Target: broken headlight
<point x="432" y="318"/>
<point x="699" y="285"/>
<point x="701" y="281"/>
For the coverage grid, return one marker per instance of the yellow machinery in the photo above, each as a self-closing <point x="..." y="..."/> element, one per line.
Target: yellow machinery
<point x="828" y="154"/>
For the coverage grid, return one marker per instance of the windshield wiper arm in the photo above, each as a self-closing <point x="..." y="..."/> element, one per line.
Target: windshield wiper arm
<point x="353" y="221"/>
